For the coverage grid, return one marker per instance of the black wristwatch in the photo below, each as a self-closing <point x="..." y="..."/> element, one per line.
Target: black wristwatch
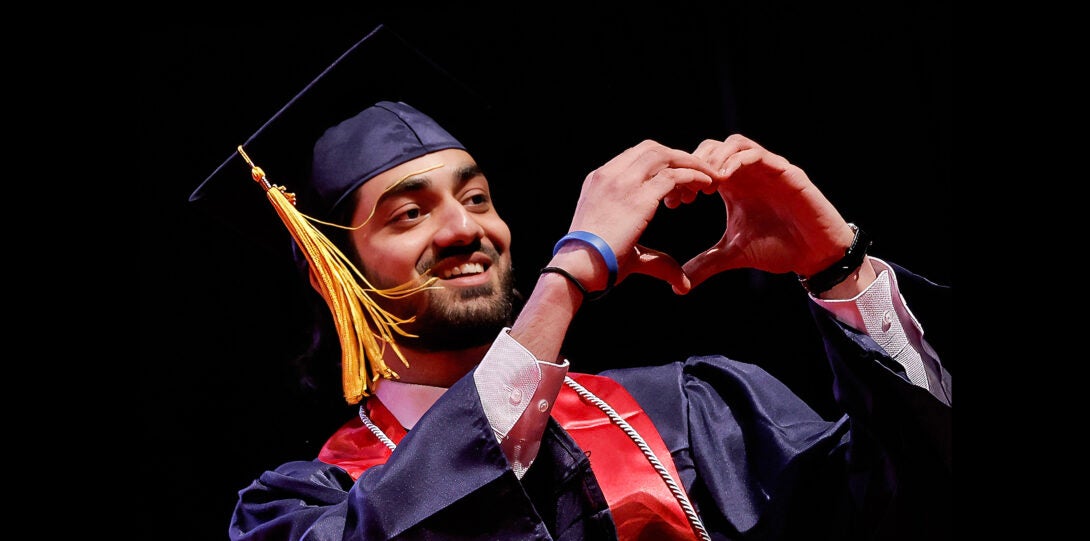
<point x="853" y="257"/>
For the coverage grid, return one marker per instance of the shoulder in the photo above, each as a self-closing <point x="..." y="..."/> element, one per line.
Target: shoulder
<point x="710" y="369"/>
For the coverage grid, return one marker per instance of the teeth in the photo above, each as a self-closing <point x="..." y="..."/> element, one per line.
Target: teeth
<point x="467" y="268"/>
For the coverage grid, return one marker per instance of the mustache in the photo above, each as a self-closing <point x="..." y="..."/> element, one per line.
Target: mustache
<point x="465" y="250"/>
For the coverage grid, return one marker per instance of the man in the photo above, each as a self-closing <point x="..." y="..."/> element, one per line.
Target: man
<point x="473" y="424"/>
<point x="478" y="436"/>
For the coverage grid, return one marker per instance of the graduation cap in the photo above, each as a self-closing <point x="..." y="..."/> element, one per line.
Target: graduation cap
<point x="362" y="115"/>
<point x="382" y="66"/>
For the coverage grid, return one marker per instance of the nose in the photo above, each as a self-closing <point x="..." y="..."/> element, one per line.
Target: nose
<point x="458" y="227"/>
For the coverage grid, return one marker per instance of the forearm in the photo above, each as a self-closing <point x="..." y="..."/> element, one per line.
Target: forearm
<point x="544" y="320"/>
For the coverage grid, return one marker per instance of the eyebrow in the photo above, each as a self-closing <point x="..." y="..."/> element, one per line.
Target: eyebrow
<point x="419" y="182"/>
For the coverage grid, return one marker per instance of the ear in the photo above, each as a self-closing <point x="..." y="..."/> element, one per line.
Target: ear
<point x="303" y="266"/>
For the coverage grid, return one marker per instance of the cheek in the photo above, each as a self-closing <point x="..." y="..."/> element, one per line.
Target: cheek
<point x="499" y="233"/>
<point x="388" y="262"/>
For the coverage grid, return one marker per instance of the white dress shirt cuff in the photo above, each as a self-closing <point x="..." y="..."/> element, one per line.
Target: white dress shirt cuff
<point x="881" y="312"/>
<point x="517" y="392"/>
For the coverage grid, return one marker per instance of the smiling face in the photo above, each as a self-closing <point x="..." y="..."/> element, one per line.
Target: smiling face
<point x="433" y="216"/>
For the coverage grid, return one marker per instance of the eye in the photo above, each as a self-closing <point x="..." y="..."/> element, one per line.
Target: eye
<point x="407" y="215"/>
<point x="477" y="200"/>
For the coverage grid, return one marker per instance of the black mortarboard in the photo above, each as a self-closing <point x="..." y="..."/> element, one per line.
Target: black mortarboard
<point x="421" y="101"/>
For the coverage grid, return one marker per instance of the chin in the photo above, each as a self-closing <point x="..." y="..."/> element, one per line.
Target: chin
<point x="451" y="338"/>
<point x="469" y="318"/>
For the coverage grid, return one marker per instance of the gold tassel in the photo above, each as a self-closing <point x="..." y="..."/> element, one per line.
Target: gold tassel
<point x="350" y="303"/>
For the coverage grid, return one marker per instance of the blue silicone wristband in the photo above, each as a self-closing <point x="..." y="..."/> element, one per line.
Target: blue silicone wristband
<point x="603" y="250"/>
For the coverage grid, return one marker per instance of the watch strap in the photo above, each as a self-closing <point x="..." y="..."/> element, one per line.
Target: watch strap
<point x="828" y="278"/>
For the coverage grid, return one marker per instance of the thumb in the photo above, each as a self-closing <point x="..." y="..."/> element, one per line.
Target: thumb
<point x="707" y="264"/>
<point x="661" y="266"/>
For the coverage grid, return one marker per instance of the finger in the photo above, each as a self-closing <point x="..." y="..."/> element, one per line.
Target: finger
<point x="750" y="156"/>
<point x="679" y="180"/>
<point x="661" y="266"/>
<point x="715" y="153"/>
<point x="683" y="195"/>
<point x="706" y="264"/>
<point x="654" y="157"/>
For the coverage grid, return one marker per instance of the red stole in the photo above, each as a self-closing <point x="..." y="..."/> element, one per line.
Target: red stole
<point x="642" y="505"/>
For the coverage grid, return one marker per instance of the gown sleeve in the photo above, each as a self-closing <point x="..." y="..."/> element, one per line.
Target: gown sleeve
<point x="448" y="478"/>
<point x="760" y="463"/>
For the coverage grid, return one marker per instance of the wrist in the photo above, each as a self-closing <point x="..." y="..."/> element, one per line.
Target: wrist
<point x="571" y="279"/>
<point x="847" y="266"/>
<point x="855" y="284"/>
<point x="600" y="256"/>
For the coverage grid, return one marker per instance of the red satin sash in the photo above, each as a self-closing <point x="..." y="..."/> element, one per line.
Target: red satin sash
<point x="642" y="505"/>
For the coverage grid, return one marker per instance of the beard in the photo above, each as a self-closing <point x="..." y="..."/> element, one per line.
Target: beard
<point x="462" y="318"/>
<point x="457" y="318"/>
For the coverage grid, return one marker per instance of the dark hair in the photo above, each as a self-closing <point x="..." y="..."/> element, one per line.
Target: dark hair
<point x="319" y="365"/>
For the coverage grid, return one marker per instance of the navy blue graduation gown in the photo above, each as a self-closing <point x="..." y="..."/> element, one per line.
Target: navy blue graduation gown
<point x="755" y="460"/>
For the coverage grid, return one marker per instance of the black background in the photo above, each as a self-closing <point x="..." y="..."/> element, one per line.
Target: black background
<point x="857" y="95"/>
